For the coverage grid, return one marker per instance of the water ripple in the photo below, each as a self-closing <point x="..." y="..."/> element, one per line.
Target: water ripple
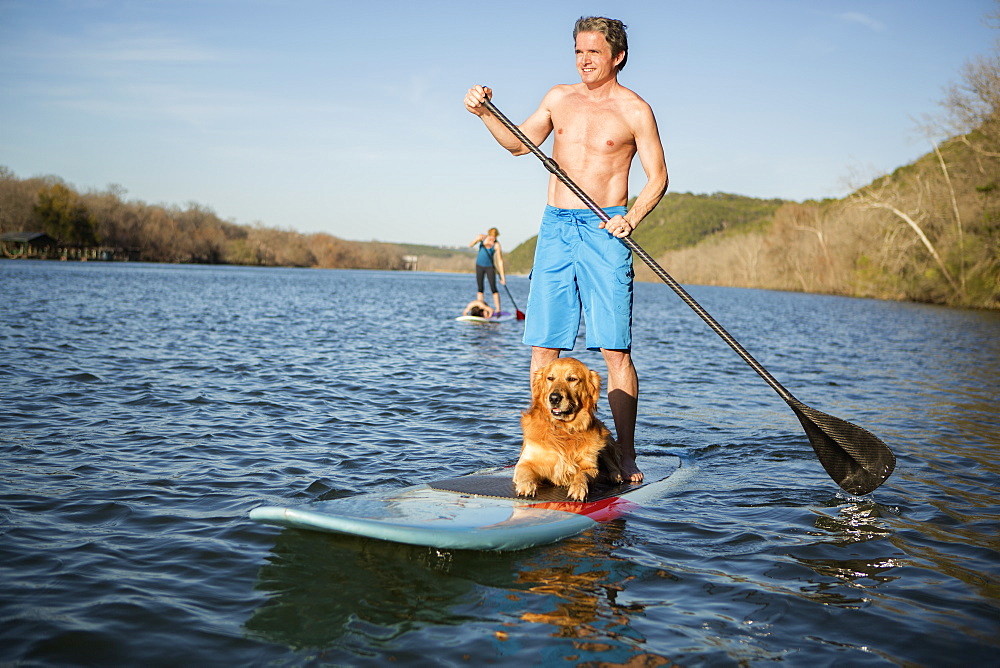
<point x="141" y="424"/>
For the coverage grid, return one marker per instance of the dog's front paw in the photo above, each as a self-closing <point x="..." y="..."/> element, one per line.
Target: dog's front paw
<point x="577" y="491"/>
<point x="525" y="488"/>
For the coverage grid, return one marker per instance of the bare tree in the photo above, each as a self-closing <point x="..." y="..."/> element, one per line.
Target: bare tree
<point x="884" y="197"/>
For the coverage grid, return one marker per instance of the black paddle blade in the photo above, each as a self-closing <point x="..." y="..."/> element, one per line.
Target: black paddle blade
<point x="856" y="459"/>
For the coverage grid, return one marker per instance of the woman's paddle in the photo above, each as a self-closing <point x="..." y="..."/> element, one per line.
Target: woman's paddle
<point x="520" y="315"/>
<point x="857" y="460"/>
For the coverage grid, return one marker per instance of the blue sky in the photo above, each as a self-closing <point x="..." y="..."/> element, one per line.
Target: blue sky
<point x="347" y="117"/>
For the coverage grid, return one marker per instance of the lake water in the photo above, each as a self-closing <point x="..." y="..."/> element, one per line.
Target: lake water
<point x="145" y="409"/>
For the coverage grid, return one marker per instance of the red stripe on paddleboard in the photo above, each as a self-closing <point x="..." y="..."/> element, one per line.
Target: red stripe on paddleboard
<point x="599" y="511"/>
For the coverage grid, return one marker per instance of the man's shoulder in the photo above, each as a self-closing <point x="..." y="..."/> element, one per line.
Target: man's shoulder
<point x="560" y="92"/>
<point x="634" y="108"/>
<point x="629" y="96"/>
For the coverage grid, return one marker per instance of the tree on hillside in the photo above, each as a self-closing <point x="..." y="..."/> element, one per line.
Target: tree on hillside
<point x="972" y="106"/>
<point x="17" y="201"/>
<point x="909" y="203"/>
<point x="64" y="217"/>
<point x="118" y="222"/>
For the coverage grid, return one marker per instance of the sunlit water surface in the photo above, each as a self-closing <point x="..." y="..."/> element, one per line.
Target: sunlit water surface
<point x="145" y="409"/>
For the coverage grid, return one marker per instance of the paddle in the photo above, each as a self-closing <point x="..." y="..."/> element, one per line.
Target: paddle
<point x="520" y="315"/>
<point x="857" y="460"/>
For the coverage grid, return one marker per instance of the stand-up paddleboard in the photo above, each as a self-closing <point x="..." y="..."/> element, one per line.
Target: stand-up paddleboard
<point x="474" y="512"/>
<point x="499" y="316"/>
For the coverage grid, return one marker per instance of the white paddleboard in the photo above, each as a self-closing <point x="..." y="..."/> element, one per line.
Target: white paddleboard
<point x="474" y="512"/>
<point x="501" y="316"/>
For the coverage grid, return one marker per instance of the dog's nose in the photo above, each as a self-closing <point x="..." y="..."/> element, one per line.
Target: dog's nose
<point x="555" y="398"/>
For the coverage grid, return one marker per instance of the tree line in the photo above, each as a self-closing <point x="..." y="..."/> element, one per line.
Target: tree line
<point x="158" y="233"/>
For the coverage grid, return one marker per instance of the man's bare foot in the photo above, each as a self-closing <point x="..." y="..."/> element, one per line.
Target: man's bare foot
<point x="630" y="471"/>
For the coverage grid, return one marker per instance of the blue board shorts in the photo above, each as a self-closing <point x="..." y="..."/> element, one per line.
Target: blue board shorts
<point x="579" y="267"/>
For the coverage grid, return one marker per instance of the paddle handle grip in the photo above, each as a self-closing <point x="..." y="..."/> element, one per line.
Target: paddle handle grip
<point x="557" y="171"/>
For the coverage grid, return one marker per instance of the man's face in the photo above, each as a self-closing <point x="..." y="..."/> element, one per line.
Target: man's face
<point x="593" y="58"/>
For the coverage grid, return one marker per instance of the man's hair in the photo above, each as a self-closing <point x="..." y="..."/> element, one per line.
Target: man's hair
<point x="613" y="31"/>
<point x="476" y="311"/>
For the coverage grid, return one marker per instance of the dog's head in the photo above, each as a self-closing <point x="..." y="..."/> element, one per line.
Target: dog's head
<point x="566" y="389"/>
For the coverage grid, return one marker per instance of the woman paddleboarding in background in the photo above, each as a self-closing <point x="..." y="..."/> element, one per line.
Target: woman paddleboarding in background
<point x="489" y="261"/>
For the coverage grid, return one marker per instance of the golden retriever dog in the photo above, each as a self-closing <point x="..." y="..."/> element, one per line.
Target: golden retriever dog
<point x="564" y="442"/>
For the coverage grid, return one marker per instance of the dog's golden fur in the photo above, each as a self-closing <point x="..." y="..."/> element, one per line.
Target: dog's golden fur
<point x="564" y="442"/>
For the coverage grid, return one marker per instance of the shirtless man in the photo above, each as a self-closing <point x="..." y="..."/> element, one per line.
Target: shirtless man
<point x="581" y="262"/>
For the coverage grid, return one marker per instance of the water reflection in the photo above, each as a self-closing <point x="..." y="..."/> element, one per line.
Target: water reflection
<point x="855" y="522"/>
<point x="582" y="582"/>
<point x="358" y="597"/>
<point x="323" y="589"/>
<point x="857" y="526"/>
<point x="853" y="569"/>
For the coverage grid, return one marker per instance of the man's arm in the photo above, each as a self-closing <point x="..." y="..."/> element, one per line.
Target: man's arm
<point x="537" y="127"/>
<point x="650" y="150"/>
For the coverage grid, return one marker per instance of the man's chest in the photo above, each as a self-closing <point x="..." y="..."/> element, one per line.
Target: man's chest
<point x="593" y="129"/>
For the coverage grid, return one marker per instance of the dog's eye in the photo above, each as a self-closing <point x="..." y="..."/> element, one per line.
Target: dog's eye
<point x="572" y="379"/>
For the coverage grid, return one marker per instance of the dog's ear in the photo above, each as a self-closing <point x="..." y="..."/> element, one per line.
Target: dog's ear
<point x="536" y="386"/>
<point x="594" y="388"/>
